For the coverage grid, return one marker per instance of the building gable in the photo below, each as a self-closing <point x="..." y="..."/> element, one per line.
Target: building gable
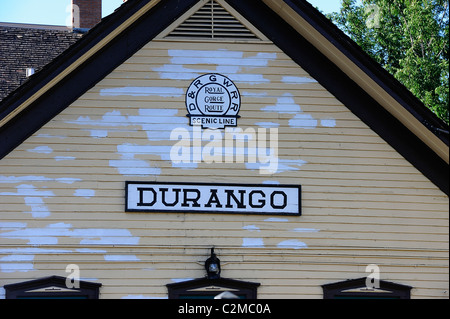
<point x="212" y="19"/>
<point x="63" y="188"/>
<point x="34" y="112"/>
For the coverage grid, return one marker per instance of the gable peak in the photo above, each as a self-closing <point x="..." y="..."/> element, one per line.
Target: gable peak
<point x="213" y="20"/>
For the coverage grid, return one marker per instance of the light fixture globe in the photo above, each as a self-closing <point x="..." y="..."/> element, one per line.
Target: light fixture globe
<point x="212" y="266"/>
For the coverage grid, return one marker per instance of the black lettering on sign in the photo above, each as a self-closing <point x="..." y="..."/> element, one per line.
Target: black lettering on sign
<point x="213" y="198"/>
<point x="230" y="194"/>
<point x="198" y="84"/>
<point x="163" y="197"/>
<point x="272" y="200"/>
<point x="261" y="200"/>
<point x="141" y="196"/>
<point x="187" y="199"/>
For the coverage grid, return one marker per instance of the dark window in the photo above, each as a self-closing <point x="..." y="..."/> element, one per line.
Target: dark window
<point x="53" y="287"/>
<point x="357" y="289"/>
<point x="204" y="288"/>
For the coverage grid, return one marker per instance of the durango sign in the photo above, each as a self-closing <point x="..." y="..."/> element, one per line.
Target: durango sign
<point x="213" y="198"/>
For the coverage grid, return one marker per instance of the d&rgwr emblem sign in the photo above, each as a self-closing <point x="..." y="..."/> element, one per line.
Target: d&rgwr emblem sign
<point x="213" y="101"/>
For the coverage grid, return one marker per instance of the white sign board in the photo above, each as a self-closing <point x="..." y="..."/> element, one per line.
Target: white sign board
<point x="213" y="198"/>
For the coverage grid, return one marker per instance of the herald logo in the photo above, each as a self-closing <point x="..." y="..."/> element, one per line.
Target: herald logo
<point x="213" y="101"/>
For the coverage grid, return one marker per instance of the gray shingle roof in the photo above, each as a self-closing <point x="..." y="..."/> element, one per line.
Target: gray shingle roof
<point x="25" y="47"/>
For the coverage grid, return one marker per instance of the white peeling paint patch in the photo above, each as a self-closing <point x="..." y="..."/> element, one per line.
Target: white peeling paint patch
<point x="220" y="57"/>
<point x="41" y="150"/>
<point x="228" y="63"/>
<point x="158" y="123"/>
<point x="61" y="137"/>
<point x="17" y="258"/>
<point x="67" y="180"/>
<point x="9" y="264"/>
<point x="289" y="165"/>
<point x="85" y="193"/>
<point x="50" y="235"/>
<point x="59" y="225"/>
<point x="106" y="237"/>
<point x="121" y="258"/>
<point x="255" y="166"/>
<point x="90" y="251"/>
<point x="271" y="182"/>
<point x="38" y="207"/>
<point x="28" y="190"/>
<point x="64" y="158"/>
<point x="22" y="179"/>
<point x="143" y="91"/>
<point x="99" y="133"/>
<point x="267" y="124"/>
<point x="33" y="250"/>
<point x="267" y="56"/>
<point x="16" y="267"/>
<point x="153" y="121"/>
<point x="164" y="151"/>
<point x="305" y="230"/>
<point x="128" y="165"/>
<point x="179" y="72"/>
<point x="91" y="279"/>
<point x="251" y="79"/>
<point x="293" y="244"/>
<point x="12" y="225"/>
<point x="328" y="122"/>
<point x="283" y="165"/>
<point x="35" y="236"/>
<point x="178" y="280"/>
<point x="111" y="119"/>
<point x="305" y="121"/>
<point x="285" y="105"/>
<point x="252" y="242"/>
<point x="206" y="54"/>
<point x="33" y="198"/>
<point x="142" y="297"/>
<point x="251" y="228"/>
<point x="254" y="94"/>
<point x="275" y="219"/>
<point x="297" y="80"/>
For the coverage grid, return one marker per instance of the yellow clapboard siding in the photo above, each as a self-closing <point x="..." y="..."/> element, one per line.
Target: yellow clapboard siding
<point x="362" y="202"/>
<point x="329" y="224"/>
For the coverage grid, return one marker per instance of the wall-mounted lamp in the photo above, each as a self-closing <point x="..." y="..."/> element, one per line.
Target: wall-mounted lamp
<point x="212" y="266"/>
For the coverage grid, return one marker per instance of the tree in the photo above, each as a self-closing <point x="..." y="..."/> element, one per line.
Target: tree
<point x="409" y="38"/>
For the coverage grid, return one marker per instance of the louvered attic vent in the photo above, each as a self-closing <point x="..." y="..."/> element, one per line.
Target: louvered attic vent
<point x="212" y="21"/>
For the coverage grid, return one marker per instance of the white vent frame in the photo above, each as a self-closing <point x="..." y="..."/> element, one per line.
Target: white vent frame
<point x="258" y="37"/>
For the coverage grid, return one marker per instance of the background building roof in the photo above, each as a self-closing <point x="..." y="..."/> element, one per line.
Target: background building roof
<point x="29" y="46"/>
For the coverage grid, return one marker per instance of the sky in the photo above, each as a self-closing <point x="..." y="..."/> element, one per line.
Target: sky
<point x="53" y="12"/>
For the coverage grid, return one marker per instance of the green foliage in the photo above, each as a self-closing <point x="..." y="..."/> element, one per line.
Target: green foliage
<point x="409" y="38"/>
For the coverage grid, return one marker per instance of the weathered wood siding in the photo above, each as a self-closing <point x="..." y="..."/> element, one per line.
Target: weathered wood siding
<point x="62" y="191"/>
